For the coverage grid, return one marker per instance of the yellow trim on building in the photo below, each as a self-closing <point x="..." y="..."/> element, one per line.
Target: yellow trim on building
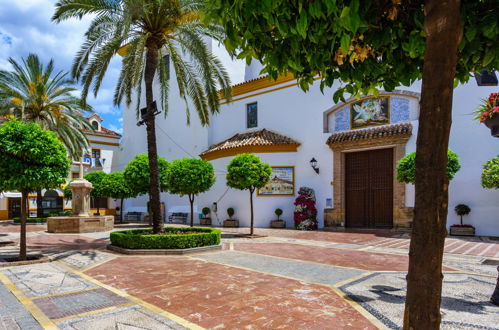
<point x="4" y="214"/>
<point x="250" y="149"/>
<point x="104" y="135"/>
<point x="104" y="143"/>
<point x="256" y="84"/>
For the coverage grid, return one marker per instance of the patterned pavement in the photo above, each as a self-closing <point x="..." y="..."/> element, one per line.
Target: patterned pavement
<point x="286" y="279"/>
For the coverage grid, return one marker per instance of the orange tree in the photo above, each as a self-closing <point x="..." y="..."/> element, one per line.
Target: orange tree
<point x="371" y="44"/>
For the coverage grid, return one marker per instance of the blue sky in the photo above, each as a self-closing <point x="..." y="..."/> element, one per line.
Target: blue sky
<point x="25" y="27"/>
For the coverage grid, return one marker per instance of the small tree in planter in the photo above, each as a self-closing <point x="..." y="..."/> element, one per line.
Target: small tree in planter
<point x="278" y="223"/>
<point x="231" y="222"/>
<point x="30" y="158"/>
<point x="248" y="172"/>
<point x="305" y="214"/>
<point x="206" y="219"/>
<point x="115" y="186"/>
<point x="190" y="177"/>
<point x="462" y="229"/>
<point x="96" y="178"/>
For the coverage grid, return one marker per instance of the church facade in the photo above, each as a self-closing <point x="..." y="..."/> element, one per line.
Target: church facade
<point x="347" y="152"/>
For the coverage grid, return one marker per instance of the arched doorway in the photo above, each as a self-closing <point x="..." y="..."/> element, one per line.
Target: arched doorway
<point x="51" y="202"/>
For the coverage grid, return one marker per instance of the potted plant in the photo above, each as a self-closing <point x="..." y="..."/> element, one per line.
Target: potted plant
<point x="488" y="113"/>
<point x="206" y="220"/>
<point x="305" y="214"/>
<point x="278" y="223"/>
<point x="231" y="222"/>
<point x="462" y="229"/>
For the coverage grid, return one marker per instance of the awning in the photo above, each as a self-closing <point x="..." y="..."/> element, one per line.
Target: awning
<point x="10" y="194"/>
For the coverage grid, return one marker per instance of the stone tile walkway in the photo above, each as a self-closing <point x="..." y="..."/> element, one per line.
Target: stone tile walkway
<point x="286" y="279"/>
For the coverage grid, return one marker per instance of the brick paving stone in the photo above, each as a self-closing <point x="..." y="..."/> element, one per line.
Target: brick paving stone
<point x="64" y="242"/>
<point x="13" y="315"/>
<point x="340" y="257"/>
<point x="300" y="270"/>
<point x="74" y="303"/>
<point x="214" y="295"/>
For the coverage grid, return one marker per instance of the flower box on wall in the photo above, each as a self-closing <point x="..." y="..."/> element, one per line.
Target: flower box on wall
<point x="462" y="230"/>
<point x="231" y="223"/>
<point x="277" y="224"/>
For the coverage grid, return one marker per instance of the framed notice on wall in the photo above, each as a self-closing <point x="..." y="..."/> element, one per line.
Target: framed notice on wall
<point x="282" y="182"/>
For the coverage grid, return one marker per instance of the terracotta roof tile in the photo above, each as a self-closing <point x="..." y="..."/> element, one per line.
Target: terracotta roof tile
<point x="261" y="137"/>
<point x="370" y="133"/>
<point x="104" y="131"/>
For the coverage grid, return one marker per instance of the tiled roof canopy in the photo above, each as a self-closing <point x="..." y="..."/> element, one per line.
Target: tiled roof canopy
<point x="104" y="131"/>
<point x="371" y="133"/>
<point x="260" y="141"/>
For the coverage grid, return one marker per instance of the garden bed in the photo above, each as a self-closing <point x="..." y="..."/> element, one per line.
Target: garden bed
<point x="171" y="238"/>
<point x="30" y="220"/>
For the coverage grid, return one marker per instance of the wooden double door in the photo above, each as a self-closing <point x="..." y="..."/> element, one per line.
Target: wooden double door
<point x="14" y="207"/>
<point x="369" y="189"/>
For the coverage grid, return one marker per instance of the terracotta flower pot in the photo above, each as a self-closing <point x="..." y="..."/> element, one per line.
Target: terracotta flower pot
<point x="493" y="124"/>
<point x="277" y="224"/>
<point x="205" y="221"/>
<point x="231" y="223"/>
<point x="462" y="231"/>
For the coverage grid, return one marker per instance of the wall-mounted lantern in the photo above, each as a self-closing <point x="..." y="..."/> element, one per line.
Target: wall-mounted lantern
<point x="313" y="163"/>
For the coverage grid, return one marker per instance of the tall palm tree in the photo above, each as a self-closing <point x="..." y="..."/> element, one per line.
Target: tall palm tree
<point x="148" y="31"/>
<point x="36" y="93"/>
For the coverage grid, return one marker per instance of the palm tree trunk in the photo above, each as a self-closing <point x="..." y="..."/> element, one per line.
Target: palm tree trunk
<point x="191" y="200"/>
<point x="154" y="192"/>
<point x="121" y="210"/>
<point x="251" y="207"/>
<point x="22" y="241"/>
<point x="424" y="280"/>
<point x="39" y="204"/>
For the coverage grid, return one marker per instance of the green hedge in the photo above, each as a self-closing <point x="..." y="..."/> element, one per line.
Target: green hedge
<point x="31" y="220"/>
<point x="142" y="239"/>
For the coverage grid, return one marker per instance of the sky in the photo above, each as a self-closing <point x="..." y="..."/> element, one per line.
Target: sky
<point x="25" y="27"/>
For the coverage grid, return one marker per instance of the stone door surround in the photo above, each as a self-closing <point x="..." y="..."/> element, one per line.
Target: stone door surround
<point x="383" y="137"/>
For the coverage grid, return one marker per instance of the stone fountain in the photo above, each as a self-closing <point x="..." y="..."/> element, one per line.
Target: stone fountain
<point x="81" y="221"/>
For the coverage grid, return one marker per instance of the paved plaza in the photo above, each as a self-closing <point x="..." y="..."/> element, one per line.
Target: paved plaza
<point x="285" y="279"/>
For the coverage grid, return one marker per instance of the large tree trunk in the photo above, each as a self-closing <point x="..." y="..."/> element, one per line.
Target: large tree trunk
<point x="251" y="206"/>
<point x="424" y="280"/>
<point x="22" y="241"/>
<point x="191" y="200"/>
<point x="39" y="204"/>
<point x="154" y="191"/>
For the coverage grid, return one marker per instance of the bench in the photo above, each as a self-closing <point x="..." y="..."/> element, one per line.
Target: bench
<point x="178" y="217"/>
<point x="133" y="216"/>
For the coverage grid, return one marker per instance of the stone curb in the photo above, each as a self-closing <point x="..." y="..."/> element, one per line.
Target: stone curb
<point x="163" y="251"/>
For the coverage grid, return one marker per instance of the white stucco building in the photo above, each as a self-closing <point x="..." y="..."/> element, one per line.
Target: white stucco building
<point x="356" y="145"/>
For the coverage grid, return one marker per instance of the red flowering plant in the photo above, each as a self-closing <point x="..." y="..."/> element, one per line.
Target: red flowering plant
<point x="489" y="108"/>
<point x="305" y="214"/>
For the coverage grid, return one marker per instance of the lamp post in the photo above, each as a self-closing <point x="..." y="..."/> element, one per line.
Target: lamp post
<point x="313" y="163"/>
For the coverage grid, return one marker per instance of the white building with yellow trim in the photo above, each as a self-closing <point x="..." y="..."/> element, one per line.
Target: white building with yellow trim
<point x="356" y="145"/>
<point x="102" y="156"/>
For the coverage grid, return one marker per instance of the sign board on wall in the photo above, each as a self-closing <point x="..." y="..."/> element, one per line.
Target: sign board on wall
<point x="282" y="182"/>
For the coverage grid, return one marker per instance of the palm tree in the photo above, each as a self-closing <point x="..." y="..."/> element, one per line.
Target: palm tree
<point x="36" y="93"/>
<point x="152" y="33"/>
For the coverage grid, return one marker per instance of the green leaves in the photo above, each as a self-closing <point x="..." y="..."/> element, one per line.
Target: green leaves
<point x="190" y="176"/>
<point x="31" y="158"/>
<point x="115" y="186"/>
<point x="406" y="168"/>
<point x="490" y="174"/>
<point x="137" y="174"/>
<point x="247" y="172"/>
<point x="96" y="178"/>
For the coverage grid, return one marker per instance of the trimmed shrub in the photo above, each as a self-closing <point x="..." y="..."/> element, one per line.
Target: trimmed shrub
<point x="30" y="220"/>
<point x="144" y="239"/>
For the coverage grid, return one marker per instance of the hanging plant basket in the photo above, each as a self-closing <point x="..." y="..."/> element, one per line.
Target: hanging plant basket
<point x="493" y="124"/>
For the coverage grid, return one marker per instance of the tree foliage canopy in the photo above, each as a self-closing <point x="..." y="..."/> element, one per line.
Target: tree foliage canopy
<point x="365" y="44"/>
<point x="115" y="186"/>
<point x="96" y="179"/>
<point x="140" y="24"/>
<point x="247" y="171"/>
<point x="36" y="93"/>
<point x="31" y="158"/>
<point x="190" y="176"/>
<point x="406" y="167"/>
<point x="490" y="174"/>
<point x="137" y="174"/>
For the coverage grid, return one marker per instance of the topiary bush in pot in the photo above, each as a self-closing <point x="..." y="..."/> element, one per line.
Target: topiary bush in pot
<point x="231" y="222"/>
<point x="278" y="223"/>
<point x="206" y="220"/>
